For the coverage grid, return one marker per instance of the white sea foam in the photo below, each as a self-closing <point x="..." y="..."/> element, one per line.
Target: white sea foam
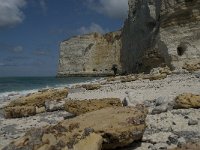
<point x="12" y="94"/>
<point x="6" y="95"/>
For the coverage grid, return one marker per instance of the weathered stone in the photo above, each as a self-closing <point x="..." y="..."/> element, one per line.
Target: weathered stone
<point x="38" y="99"/>
<point x="40" y="110"/>
<point x="33" y="103"/>
<point x="132" y="99"/>
<point x="191" y="66"/>
<point x="187" y="100"/>
<point x="192" y="122"/>
<point x="90" y="55"/>
<point x="54" y="105"/>
<point x="189" y="146"/>
<point x="173" y="139"/>
<point x="129" y="78"/>
<point x="159" y="101"/>
<point x="91" y="86"/>
<point x="118" y="127"/>
<point x="19" y="111"/>
<point x="78" y="107"/>
<point x="110" y="79"/>
<point x="159" y="73"/>
<point x="91" y="142"/>
<point x="160" y="109"/>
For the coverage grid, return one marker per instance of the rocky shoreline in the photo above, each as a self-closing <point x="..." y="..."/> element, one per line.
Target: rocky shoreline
<point x="172" y="120"/>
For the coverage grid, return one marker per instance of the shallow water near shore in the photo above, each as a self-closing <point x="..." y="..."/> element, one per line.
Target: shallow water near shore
<point x="23" y="85"/>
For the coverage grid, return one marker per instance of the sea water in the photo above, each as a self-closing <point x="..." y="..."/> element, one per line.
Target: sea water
<point x="24" y="85"/>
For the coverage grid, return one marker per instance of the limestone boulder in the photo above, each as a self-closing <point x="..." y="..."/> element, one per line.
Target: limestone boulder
<point x="93" y="142"/>
<point x="159" y="73"/>
<point x="191" y="67"/>
<point x="107" y="128"/>
<point x="187" y="100"/>
<point x="128" y="78"/>
<point x="79" y="107"/>
<point x="54" y="105"/>
<point x="33" y="103"/>
<point x="19" y="111"/>
<point x="91" y="86"/>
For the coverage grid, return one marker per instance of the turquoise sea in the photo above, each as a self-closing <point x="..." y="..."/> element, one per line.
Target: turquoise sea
<point x="13" y="85"/>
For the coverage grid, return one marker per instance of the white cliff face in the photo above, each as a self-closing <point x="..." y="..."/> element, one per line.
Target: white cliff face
<point x="160" y="33"/>
<point x="90" y="55"/>
<point x="155" y="34"/>
<point x="180" y="31"/>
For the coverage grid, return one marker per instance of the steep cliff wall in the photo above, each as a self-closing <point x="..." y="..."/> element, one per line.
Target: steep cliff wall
<point x="160" y="33"/>
<point x="90" y="55"/>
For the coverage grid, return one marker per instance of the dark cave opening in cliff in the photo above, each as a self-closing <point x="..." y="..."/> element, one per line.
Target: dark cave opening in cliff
<point x="180" y="50"/>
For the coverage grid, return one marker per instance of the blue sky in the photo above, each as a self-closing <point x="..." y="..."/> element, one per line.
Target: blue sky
<point x="31" y="30"/>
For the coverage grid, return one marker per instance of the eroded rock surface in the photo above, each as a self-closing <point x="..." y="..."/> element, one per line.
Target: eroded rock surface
<point x="91" y="86"/>
<point x="189" y="146"/>
<point x="158" y="33"/>
<point x="28" y="105"/>
<point x="187" y="100"/>
<point x="90" y="55"/>
<point x="79" y="107"/>
<point x="118" y="127"/>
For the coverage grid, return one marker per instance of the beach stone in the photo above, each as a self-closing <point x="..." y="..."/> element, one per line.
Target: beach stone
<point x="79" y="107"/>
<point x="157" y="73"/>
<point x="189" y="146"/>
<point x="128" y="78"/>
<point x="40" y="110"/>
<point x="132" y="99"/>
<point x="187" y="100"/>
<point x="192" y="122"/>
<point x="33" y="103"/>
<point x="115" y="126"/>
<point x="91" y="86"/>
<point x="160" y="146"/>
<point x="19" y="111"/>
<point x="173" y="139"/>
<point x="191" y="67"/>
<point x="160" y="109"/>
<point x="181" y="141"/>
<point x="159" y="101"/>
<point x="54" y="105"/>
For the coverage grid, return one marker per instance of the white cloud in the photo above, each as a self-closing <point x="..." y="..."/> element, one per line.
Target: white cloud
<point x="10" y="12"/>
<point x="18" y="49"/>
<point x="43" y="6"/>
<point x="91" y="29"/>
<point x="111" y="8"/>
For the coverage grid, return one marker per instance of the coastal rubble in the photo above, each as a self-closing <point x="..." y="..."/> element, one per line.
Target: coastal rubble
<point x="166" y="125"/>
<point x="192" y="66"/>
<point x="79" y="107"/>
<point x="27" y="105"/>
<point x="91" y="86"/>
<point x="116" y="127"/>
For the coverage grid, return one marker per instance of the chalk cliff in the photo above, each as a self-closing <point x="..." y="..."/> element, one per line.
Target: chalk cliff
<point x="90" y="55"/>
<point x="158" y="33"/>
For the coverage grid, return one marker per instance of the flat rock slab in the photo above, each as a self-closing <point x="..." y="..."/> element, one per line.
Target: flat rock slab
<point x="79" y="107"/>
<point x="187" y="100"/>
<point x="110" y="128"/>
<point x="27" y="105"/>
